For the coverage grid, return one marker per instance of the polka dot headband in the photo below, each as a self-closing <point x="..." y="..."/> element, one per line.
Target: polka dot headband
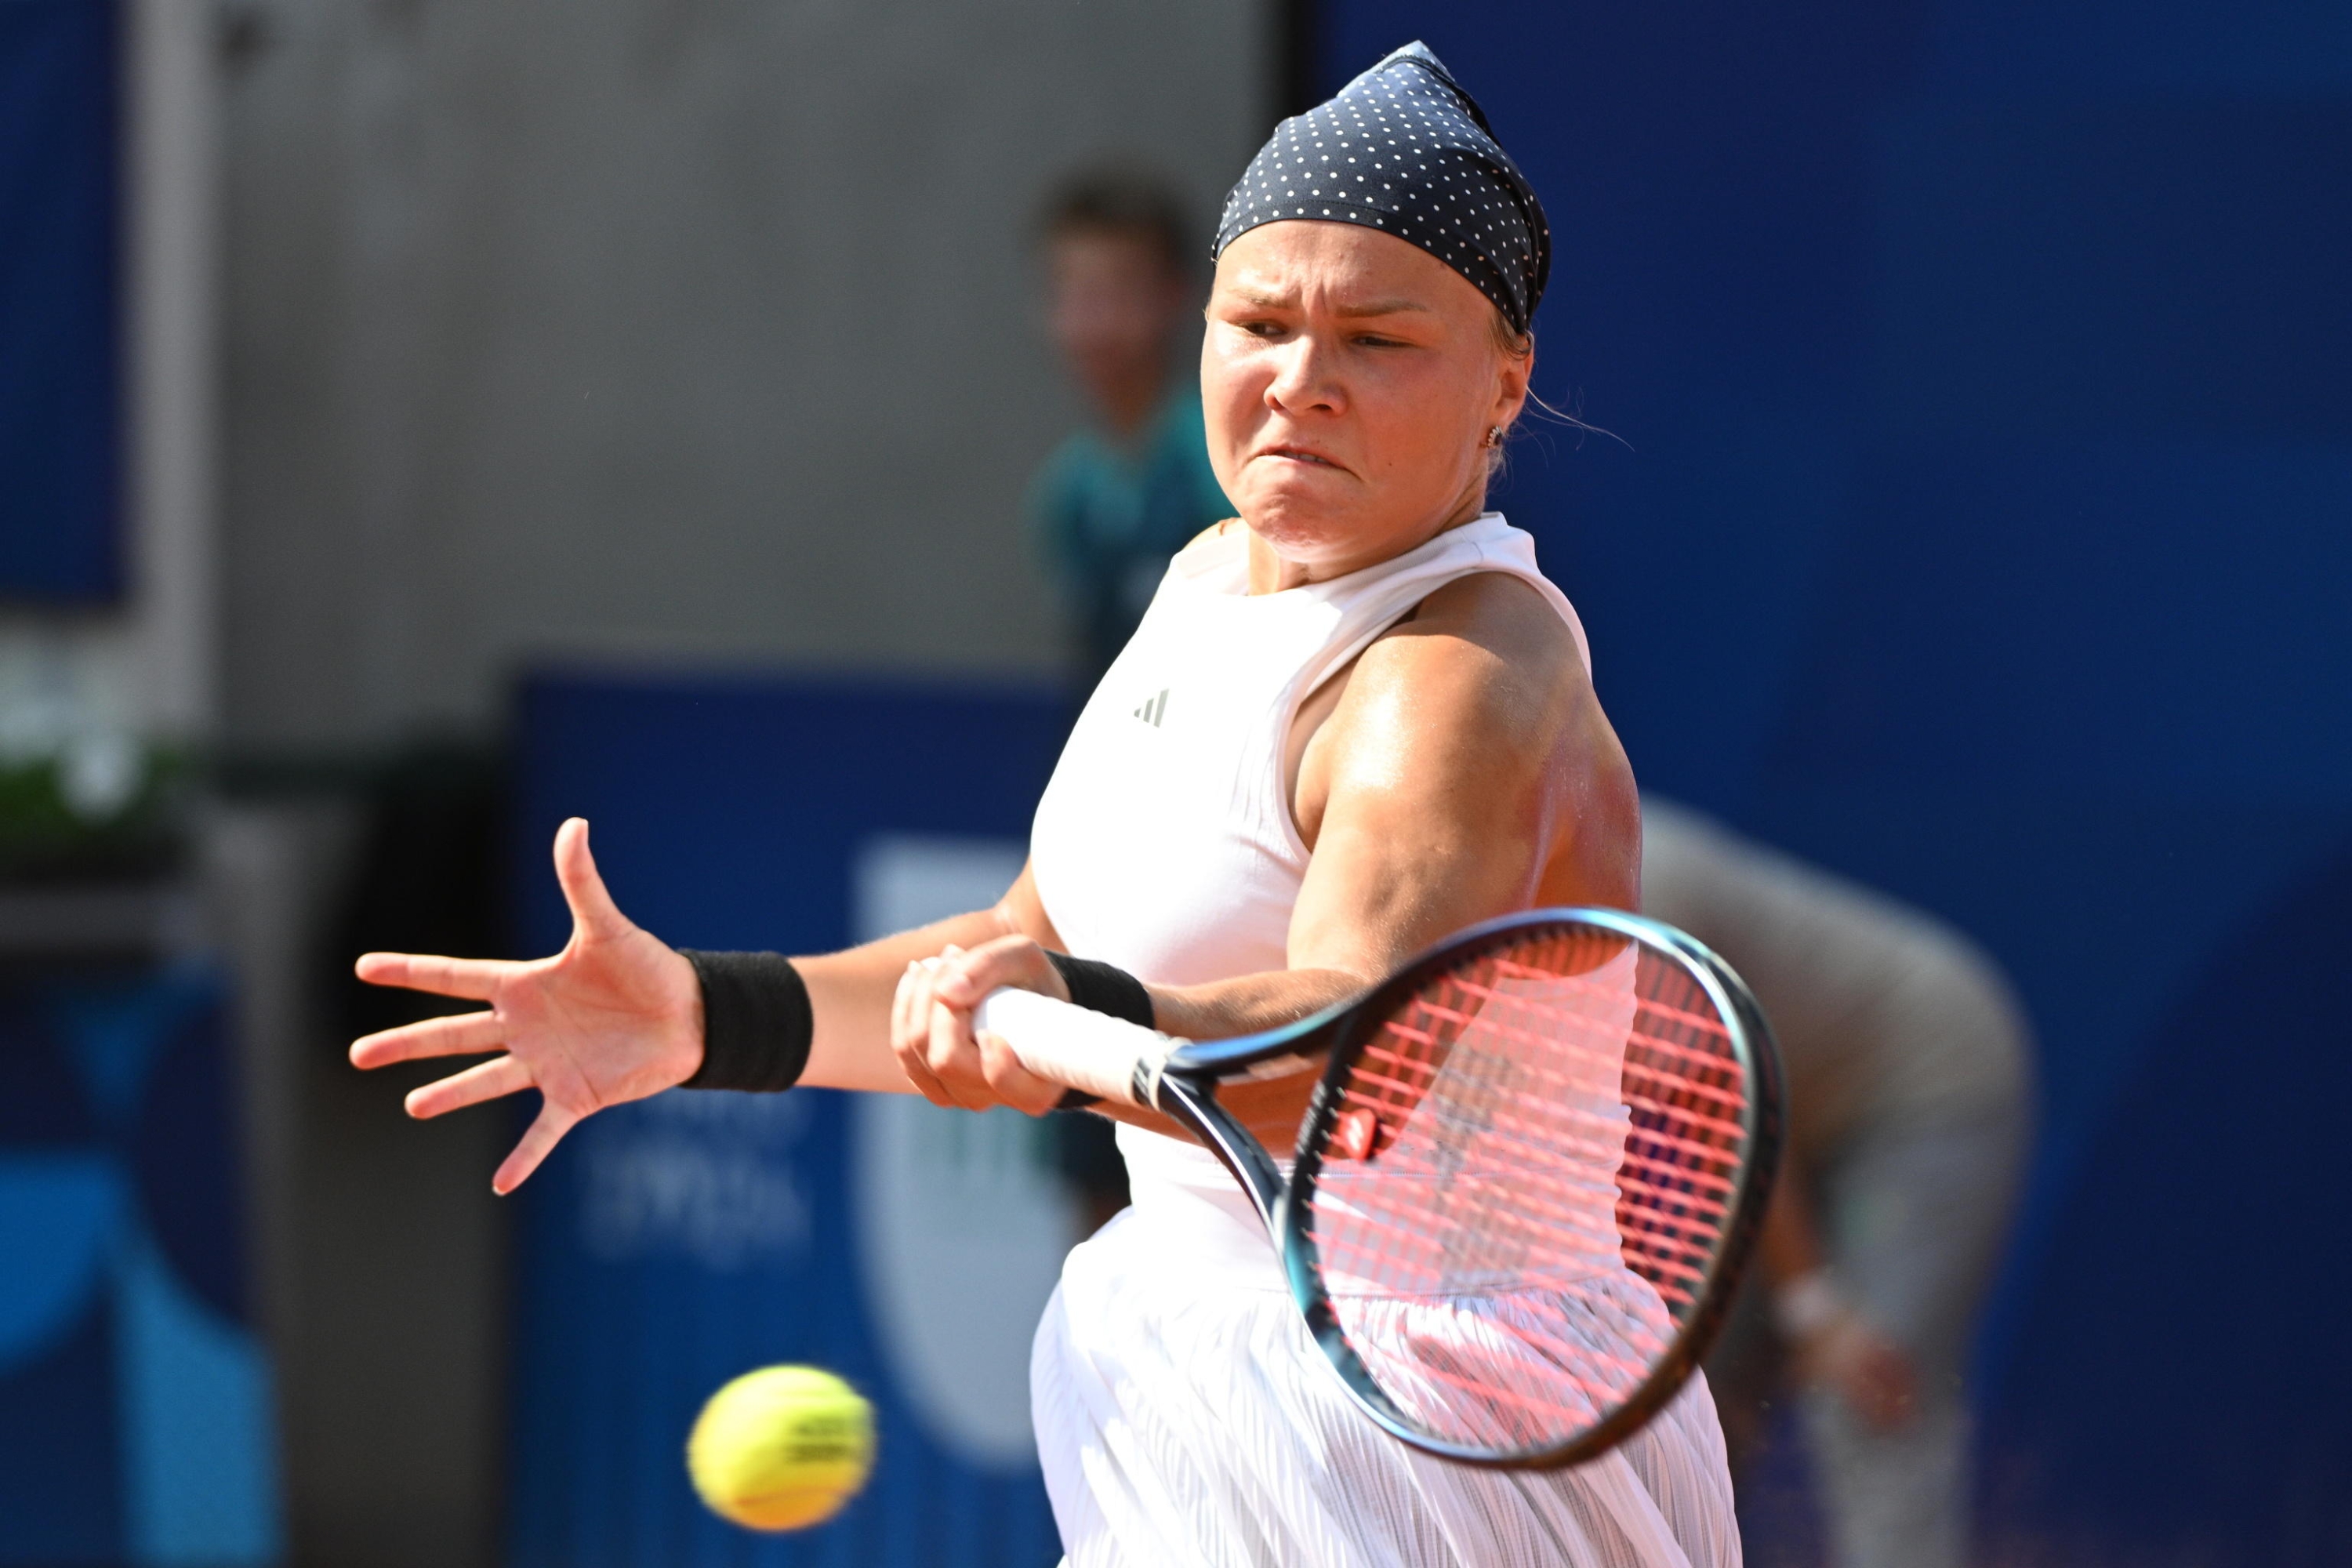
<point x="1404" y="150"/>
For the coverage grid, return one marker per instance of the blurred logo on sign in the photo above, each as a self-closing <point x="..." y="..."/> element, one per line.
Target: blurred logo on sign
<point x="706" y="1177"/>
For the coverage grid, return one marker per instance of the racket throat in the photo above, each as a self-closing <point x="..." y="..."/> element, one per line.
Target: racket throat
<point x="1196" y="1109"/>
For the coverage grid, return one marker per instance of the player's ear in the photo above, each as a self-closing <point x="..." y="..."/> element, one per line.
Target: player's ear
<point x="1515" y="367"/>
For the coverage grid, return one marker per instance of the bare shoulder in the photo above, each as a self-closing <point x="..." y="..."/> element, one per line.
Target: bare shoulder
<point x="1479" y="688"/>
<point x="1481" y="700"/>
<point x="1505" y="616"/>
<point x="1484" y="650"/>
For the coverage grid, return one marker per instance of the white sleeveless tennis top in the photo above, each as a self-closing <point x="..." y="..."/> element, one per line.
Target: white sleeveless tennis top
<point x="1165" y="843"/>
<point x="1183" y="1414"/>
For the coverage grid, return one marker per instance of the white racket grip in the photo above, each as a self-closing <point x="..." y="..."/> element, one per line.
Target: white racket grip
<point x="1107" y="1057"/>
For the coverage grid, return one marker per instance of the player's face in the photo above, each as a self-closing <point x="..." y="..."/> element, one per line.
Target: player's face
<point x="1349" y="379"/>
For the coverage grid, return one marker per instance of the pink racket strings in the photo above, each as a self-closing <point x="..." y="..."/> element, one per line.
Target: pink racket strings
<point x="1533" y="1167"/>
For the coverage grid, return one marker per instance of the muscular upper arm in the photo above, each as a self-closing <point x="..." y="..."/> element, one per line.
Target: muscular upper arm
<point x="1467" y="771"/>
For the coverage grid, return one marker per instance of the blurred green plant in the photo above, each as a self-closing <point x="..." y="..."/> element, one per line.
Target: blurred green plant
<point x="97" y="809"/>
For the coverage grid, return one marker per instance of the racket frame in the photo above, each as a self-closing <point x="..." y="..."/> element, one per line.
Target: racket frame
<point x="1188" y="1085"/>
<point x="1353" y="1026"/>
<point x="1186" y="1089"/>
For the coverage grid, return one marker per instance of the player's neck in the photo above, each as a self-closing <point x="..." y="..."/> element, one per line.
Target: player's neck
<point x="1272" y="572"/>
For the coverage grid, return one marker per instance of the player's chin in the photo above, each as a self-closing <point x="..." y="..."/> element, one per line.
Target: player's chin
<point x="1306" y="513"/>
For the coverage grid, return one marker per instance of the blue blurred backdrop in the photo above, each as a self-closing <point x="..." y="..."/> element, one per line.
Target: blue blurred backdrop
<point x="1981" y="526"/>
<point x="60" y="478"/>
<point x="136" y="1421"/>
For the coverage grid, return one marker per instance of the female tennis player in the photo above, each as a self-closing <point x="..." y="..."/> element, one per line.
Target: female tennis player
<point x="1355" y="719"/>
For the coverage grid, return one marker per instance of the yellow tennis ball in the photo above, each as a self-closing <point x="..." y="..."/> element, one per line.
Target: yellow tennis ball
<point x="782" y="1448"/>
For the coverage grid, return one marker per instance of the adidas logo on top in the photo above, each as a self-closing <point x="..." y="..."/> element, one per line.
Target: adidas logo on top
<point x="1152" y="710"/>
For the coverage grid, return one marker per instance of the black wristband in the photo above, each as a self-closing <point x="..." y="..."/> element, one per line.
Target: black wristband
<point x="756" y="1021"/>
<point x="1104" y="988"/>
<point x="1101" y="988"/>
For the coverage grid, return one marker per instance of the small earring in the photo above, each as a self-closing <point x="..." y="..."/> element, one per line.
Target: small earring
<point x="1494" y="434"/>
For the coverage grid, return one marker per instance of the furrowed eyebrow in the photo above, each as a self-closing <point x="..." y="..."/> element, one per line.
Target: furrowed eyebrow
<point x="1262" y="301"/>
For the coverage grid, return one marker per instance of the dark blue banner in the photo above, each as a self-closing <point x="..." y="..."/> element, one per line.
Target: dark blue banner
<point x="61" y="309"/>
<point x="135" y="1422"/>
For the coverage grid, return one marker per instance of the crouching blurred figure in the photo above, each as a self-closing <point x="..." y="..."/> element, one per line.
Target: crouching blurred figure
<point x="1907" y="1060"/>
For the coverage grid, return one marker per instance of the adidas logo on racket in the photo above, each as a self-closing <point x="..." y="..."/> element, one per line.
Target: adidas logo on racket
<point x="1154" y="708"/>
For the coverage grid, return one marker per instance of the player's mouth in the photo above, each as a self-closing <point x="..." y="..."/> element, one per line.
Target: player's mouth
<point x="1306" y="455"/>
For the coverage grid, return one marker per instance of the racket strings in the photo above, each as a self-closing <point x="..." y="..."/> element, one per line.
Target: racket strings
<point x="1712" y="1108"/>
<point x="1559" y="1127"/>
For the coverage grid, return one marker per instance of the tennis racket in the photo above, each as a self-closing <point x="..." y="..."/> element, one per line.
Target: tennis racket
<point x="1525" y="1187"/>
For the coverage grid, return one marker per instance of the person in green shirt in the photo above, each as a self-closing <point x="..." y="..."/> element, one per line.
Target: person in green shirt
<point x="1116" y="498"/>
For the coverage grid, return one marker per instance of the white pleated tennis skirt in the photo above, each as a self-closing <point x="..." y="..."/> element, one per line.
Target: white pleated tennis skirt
<point x="1185" y="1419"/>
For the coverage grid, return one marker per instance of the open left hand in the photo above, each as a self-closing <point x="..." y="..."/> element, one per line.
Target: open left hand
<point x="615" y="1017"/>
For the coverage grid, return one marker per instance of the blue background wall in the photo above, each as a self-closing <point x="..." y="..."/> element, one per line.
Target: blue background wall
<point x="135" y="1422"/>
<point x="1982" y="526"/>
<point x="725" y="814"/>
<point x="59" y="482"/>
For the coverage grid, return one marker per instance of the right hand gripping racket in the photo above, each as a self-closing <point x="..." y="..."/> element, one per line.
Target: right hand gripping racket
<point x="1524" y="1188"/>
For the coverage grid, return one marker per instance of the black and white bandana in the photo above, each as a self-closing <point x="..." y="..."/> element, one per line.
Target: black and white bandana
<point x="1404" y="150"/>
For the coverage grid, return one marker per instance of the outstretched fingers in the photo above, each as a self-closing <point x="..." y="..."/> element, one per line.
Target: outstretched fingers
<point x="468" y="979"/>
<point x="553" y="1122"/>
<point x="483" y="1080"/>
<point x="463" y="1035"/>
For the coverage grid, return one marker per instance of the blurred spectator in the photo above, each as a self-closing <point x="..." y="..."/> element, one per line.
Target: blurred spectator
<point x="1907" y="1072"/>
<point x="1116" y="498"/>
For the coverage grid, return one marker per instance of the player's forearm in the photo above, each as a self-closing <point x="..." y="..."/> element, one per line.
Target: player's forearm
<point x="1227" y="1009"/>
<point x="1248" y="1003"/>
<point x="850" y="994"/>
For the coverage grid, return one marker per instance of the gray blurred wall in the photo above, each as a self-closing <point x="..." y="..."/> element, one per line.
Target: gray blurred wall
<point x="700" y="329"/>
